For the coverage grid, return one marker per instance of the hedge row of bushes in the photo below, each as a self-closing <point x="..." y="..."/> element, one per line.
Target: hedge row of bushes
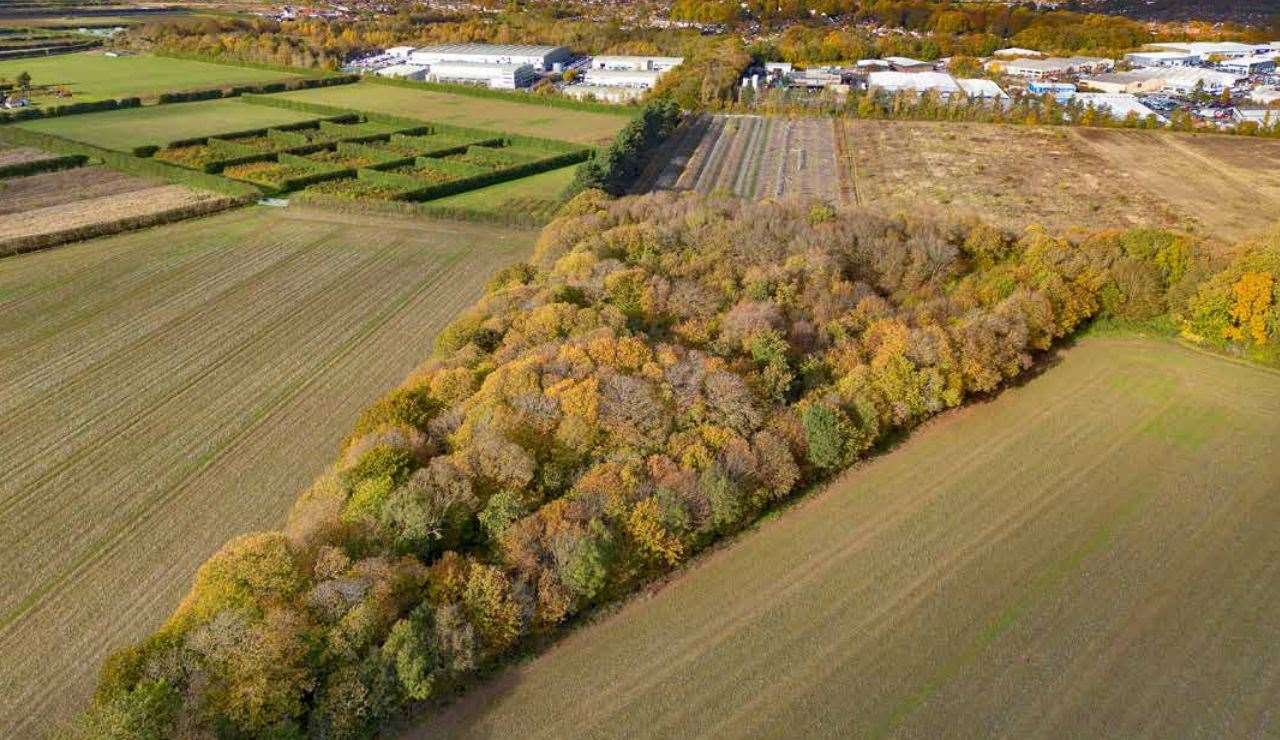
<point x="510" y="97"/>
<point x="21" y="169"/>
<point x="227" y="62"/>
<point x="618" y="167"/>
<point x="130" y="164"/>
<point x="473" y="182"/>
<point x="363" y="205"/>
<point x="550" y="145"/>
<point x="55" y="111"/>
<point x="18" y="245"/>
<point x="286" y="165"/>
<point x="231" y="91"/>
<point x="340" y="118"/>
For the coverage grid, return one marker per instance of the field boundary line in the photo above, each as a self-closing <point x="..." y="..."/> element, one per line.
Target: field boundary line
<point x="846" y="164"/>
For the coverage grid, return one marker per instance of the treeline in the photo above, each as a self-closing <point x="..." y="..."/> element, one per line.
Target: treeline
<point x="667" y="368"/>
<point x="1021" y="109"/>
<point x="614" y="169"/>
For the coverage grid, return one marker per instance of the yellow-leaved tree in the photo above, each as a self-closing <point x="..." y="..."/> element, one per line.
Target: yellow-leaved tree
<point x="1249" y="314"/>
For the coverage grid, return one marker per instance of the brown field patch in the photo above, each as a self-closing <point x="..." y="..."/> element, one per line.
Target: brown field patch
<point x="752" y="157"/>
<point x="88" y="212"/>
<point x="22" y="155"/>
<point x="1066" y="179"/>
<point x="66" y="186"/>
<point x="168" y="389"/>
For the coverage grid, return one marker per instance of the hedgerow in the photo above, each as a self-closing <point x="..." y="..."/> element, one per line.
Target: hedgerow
<point x="123" y="162"/>
<point x="664" y="370"/>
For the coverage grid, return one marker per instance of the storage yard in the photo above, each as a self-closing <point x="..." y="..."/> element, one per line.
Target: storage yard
<point x="162" y="392"/>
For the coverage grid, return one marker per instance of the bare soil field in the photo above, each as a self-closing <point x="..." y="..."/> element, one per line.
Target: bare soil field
<point x="84" y="217"/>
<point x="66" y="186"/>
<point x="1091" y="554"/>
<point x="168" y="389"/>
<point x="1068" y="178"/>
<point x="752" y="157"/>
<point x="1063" y="178"/>
<point x="22" y="155"/>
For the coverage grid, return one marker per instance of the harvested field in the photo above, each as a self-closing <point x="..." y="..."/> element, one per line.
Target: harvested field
<point x="42" y="227"/>
<point x="529" y="119"/>
<point x="93" y="76"/>
<point x="125" y="129"/>
<point x="1092" y="554"/>
<point x="66" y="186"/>
<point x="752" y="157"/>
<point x="171" y="388"/>
<point x="22" y="155"/>
<point x="1069" y="177"/>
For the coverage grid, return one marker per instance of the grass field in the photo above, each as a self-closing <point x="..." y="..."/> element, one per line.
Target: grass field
<point x="529" y="119"/>
<point x="533" y="194"/>
<point x="124" y="129"/>
<point x="1091" y="554"/>
<point x="93" y="76"/>
<point x="168" y="389"/>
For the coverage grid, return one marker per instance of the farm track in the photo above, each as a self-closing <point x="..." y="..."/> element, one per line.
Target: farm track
<point x="180" y="385"/>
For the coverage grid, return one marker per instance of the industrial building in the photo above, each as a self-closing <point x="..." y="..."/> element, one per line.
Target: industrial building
<point x="639" y="78"/>
<point x="405" y="71"/>
<point x="1205" y="49"/>
<point x="1035" y="69"/>
<point x="540" y="58"/>
<point x="1118" y="105"/>
<point x="602" y="93"/>
<point x="939" y="82"/>
<point x="636" y="63"/>
<point x="1181" y="80"/>
<point x="892" y="82"/>
<point x="907" y="64"/>
<point x="497" y="76"/>
<point x="1017" y="53"/>
<point x="1162" y="59"/>
<point x="980" y="88"/>
<point x="1249" y="66"/>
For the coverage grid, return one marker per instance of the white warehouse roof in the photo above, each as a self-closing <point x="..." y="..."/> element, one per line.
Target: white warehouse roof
<point x="980" y="88"/>
<point x="1119" y="105"/>
<point x="506" y="50"/>
<point x="918" y="81"/>
<point x="1207" y="48"/>
<point x="403" y="70"/>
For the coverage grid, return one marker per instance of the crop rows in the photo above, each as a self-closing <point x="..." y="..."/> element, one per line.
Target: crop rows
<point x="155" y="385"/>
<point x="754" y="157"/>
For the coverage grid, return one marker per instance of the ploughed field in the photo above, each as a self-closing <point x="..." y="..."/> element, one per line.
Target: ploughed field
<point x="1060" y="177"/>
<point x="528" y="119"/>
<point x="1090" y="554"/>
<point x="751" y="157"/>
<point x="168" y="389"/>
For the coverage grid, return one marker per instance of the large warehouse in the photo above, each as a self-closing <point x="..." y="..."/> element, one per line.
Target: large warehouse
<point x="497" y="76"/>
<point x="539" y="57"/>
